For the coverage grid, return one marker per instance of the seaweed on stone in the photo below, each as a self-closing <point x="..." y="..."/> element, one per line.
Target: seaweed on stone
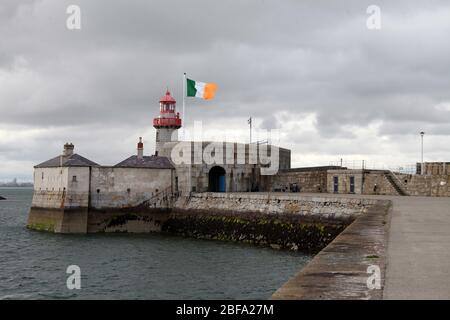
<point x="306" y="237"/>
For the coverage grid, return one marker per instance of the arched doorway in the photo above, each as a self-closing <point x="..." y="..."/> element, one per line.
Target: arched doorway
<point x="216" y="179"/>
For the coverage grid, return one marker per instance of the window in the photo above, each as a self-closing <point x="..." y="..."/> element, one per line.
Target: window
<point x="42" y="176"/>
<point x="74" y="178"/>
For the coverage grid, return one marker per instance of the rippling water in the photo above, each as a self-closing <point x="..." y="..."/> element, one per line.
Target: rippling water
<point x="124" y="266"/>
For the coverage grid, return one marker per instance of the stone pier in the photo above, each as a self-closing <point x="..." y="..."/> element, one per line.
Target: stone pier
<point x="285" y="221"/>
<point x="409" y="244"/>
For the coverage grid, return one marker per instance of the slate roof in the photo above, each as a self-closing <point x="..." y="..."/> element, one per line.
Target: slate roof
<point x="75" y="160"/>
<point x="151" y="162"/>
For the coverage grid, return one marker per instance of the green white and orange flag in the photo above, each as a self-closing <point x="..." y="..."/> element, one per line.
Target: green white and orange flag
<point x="202" y="90"/>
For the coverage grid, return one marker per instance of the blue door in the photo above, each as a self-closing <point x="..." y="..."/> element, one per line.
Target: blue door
<point x="216" y="179"/>
<point x="221" y="183"/>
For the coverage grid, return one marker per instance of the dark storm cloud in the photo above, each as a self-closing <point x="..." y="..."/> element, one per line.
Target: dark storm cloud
<point x="269" y="58"/>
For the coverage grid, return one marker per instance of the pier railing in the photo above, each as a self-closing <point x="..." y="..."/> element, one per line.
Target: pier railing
<point x="396" y="183"/>
<point x="163" y="198"/>
<point x="371" y="165"/>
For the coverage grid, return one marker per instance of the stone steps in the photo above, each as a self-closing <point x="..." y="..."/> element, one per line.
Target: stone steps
<point x="396" y="183"/>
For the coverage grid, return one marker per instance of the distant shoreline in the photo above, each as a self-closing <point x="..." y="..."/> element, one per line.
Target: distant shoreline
<point x="16" y="184"/>
<point x="16" y="187"/>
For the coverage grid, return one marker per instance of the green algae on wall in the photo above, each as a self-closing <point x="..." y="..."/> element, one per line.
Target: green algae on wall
<point x="121" y="220"/>
<point x="266" y="231"/>
<point x="132" y="220"/>
<point x="48" y="226"/>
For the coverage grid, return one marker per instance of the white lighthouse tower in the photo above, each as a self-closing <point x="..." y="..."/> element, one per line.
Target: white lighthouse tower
<point x="167" y="123"/>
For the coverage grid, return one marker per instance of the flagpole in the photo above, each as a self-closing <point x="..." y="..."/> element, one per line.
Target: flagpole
<point x="184" y="130"/>
<point x="251" y="120"/>
<point x="184" y="104"/>
<point x="250" y="123"/>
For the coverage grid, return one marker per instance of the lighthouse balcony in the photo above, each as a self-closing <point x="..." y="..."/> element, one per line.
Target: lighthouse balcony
<point x="167" y="122"/>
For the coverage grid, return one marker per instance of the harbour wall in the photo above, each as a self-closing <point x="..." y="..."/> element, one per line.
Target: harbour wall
<point x="295" y="222"/>
<point x="434" y="183"/>
<point x="312" y="180"/>
<point x="347" y="267"/>
<point x="428" y="185"/>
<point x="287" y="221"/>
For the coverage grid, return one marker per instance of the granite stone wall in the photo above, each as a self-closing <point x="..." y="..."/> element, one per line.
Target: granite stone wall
<point x="287" y="221"/>
<point x="428" y="185"/>
<point x="376" y="182"/>
<point x="127" y="187"/>
<point x="297" y="181"/>
<point x="340" y="270"/>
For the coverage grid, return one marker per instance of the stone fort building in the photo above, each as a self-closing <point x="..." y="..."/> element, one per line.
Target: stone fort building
<point x="68" y="187"/>
<point x="75" y="194"/>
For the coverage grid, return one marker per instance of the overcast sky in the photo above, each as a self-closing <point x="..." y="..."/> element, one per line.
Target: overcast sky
<point x="311" y="69"/>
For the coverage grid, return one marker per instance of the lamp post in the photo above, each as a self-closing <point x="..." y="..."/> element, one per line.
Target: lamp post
<point x="421" y="146"/>
<point x="249" y="121"/>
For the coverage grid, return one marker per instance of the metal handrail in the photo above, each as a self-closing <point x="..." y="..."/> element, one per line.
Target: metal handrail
<point x="165" y="193"/>
<point x="395" y="176"/>
<point x="399" y="182"/>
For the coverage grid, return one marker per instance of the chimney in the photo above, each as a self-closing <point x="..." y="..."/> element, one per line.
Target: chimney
<point x="68" y="149"/>
<point x="140" y="149"/>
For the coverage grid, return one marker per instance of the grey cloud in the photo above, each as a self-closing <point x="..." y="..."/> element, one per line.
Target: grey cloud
<point x="268" y="58"/>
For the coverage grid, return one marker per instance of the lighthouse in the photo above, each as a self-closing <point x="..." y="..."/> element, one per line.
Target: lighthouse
<point x="167" y="122"/>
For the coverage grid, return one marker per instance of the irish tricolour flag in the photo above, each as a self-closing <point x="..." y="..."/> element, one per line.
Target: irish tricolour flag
<point x="200" y="89"/>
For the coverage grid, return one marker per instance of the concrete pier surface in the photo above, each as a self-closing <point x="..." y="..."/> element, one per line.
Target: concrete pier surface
<point x="417" y="251"/>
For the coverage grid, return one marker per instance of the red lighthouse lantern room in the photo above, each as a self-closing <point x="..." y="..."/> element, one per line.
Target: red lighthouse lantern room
<point x="168" y="117"/>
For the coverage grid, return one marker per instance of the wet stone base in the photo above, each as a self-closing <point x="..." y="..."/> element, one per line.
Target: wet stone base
<point x="58" y="220"/>
<point x="82" y="220"/>
<point x="131" y="220"/>
<point x="276" y="231"/>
